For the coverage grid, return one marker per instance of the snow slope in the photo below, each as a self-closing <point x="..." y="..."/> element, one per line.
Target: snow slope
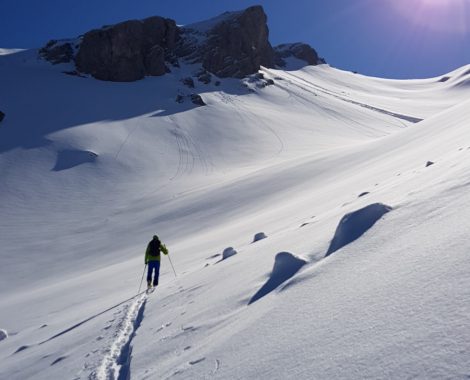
<point x="91" y="170"/>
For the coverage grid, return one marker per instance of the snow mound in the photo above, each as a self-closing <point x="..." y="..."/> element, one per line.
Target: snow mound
<point x="3" y="334"/>
<point x="259" y="236"/>
<point x="353" y="225"/>
<point x="286" y="265"/>
<point x="228" y="252"/>
<point x="67" y="159"/>
<point x="463" y="83"/>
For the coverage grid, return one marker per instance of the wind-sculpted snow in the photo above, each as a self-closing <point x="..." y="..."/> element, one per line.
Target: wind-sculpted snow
<point x="259" y="236"/>
<point x="285" y="266"/>
<point x="228" y="252"/>
<point x="67" y="159"/>
<point x="355" y="224"/>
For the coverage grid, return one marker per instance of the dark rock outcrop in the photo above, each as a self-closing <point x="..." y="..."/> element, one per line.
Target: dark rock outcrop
<point x="197" y="100"/>
<point x="129" y="50"/>
<point x="203" y="76"/>
<point x="179" y="98"/>
<point x="235" y="44"/>
<point x="73" y="73"/>
<point x="58" y="51"/>
<point x="2" y="116"/>
<point x="297" y="50"/>
<point x="188" y="82"/>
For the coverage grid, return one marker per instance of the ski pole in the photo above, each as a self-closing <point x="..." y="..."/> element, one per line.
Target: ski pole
<point x="140" y="286"/>
<point x="169" y="258"/>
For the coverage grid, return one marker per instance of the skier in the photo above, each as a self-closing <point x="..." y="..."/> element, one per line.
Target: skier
<point x="152" y="259"/>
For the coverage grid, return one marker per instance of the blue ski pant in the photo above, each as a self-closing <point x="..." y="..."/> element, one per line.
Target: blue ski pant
<point x="153" y="266"/>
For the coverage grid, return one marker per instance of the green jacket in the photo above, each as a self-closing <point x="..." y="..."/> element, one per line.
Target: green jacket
<point x="149" y="257"/>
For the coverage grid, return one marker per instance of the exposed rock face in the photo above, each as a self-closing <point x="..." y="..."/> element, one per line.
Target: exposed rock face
<point x="188" y="82"/>
<point x="298" y="50"/>
<point x="197" y="100"/>
<point x="234" y="44"/>
<point x="155" y="61"/>
<point x="57" y="52"/>
<point x="129" y="50"/>
<point x="203" y="76"/>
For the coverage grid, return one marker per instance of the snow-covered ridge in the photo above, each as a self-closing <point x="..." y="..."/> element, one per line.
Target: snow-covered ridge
<point x="91" y="170"/>
<point x="10" y="51"/>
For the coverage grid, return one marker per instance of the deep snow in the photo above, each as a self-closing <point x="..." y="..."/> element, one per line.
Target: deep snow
<point x="91" y="170"/>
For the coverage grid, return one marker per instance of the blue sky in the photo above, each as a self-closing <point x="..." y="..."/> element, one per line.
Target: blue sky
<point x="386" y="38"/>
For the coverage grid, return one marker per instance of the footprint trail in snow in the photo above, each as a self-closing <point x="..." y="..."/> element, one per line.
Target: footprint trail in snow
<point x="116" y="362"/>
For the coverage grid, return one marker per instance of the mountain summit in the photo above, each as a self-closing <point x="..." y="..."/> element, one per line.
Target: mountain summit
<point x="234" y="44"/>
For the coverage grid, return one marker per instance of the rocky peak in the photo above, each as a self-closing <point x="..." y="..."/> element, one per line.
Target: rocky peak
<point x="298" y="50"/>
<point x="234" y="44"/>
<point x="128" y="51"/>
<point x="59" y="51"/>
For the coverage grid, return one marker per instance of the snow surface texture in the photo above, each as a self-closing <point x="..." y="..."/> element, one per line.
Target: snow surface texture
<point x="91" y="170"/>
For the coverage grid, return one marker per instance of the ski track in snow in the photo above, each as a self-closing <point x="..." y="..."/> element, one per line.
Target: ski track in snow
<point x="115" y="365"/>
<point x="254" y="119"/>
<point x="295" y="79"/>
<point x="250" y="118"/>
<point x="188" y="153"/>
<point x="125" y="141"/>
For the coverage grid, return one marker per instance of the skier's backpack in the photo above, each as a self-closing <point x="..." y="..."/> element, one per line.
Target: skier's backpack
<point x="155" y="247"/>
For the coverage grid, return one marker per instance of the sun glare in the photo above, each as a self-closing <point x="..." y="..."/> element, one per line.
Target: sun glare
<point x="436" y="2"/>
<point x="440" y="15"/>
